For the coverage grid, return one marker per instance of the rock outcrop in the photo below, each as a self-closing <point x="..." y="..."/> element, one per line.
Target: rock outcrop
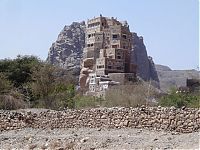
<point x="67" y="52"/>
<point x="68" y="48"/>
<point x="145" y="65"/>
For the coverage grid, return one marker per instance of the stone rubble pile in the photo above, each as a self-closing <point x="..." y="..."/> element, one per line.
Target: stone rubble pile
<point x="156" y="118"/>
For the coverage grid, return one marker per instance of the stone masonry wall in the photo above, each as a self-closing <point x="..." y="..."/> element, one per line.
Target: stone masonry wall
<point x="157" y="118"/>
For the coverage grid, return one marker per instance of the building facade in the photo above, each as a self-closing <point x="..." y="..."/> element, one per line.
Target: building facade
<point x="109" y="45"/>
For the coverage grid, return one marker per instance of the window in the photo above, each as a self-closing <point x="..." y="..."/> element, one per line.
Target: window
<point x="109" y="56"/>
<point x="130" y="79"/>
<point x="97" y="38"/>
<point x="124" y="36"/>
<point x="100" y="66"/>
<point x="119" y="68"/>
<point x="89" y="35"/>
<point x="90" y="45"/>
<point x="114" y="36"/>
<point x="109" y="65"/>
<point x="115" y="46"/>
<point x="91" y="80"/>
<point x="118" y="57"/>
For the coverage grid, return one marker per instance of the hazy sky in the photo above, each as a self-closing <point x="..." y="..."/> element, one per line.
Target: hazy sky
<point x="170" y="28"/>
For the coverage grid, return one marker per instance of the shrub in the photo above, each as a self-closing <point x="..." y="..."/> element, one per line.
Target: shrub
<point x="52" y="87"/>
<point x="12" y="100"/>
<point x="180" y="99"/>
<point x="87" y="101"/>
<point x="38" y="84"/>
<point x="5" y="84"/>
<point x="130" y="95"/>
<point x="18" y="70"/>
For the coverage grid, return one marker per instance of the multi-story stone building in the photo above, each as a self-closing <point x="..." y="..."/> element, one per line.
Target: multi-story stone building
<point x="108" y="45"/>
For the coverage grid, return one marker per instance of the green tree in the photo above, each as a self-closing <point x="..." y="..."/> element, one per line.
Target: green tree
<point x="18" y="70"/>
<point x="5" y="84"/>
<point x="10" y="98"/>
<point x="52" y="87"/>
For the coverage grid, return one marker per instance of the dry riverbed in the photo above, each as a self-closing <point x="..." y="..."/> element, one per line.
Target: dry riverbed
<point x="96" y="138"/>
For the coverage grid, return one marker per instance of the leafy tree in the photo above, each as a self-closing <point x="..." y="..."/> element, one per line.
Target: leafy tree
<point x="10" y="98"/>
<point x="5" y="84"/>
<point x="28" y="80"/>
<point x="18" y="70"/>
<point x="52" y="87"/>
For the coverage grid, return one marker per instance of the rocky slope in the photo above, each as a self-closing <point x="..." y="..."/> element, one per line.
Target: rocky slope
<point x="174" y="78"/>
<point x="145" y="65"/>
<point x="68" y="49"/>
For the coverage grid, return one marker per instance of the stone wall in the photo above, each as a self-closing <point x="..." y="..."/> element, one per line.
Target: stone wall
<point x="157" y="118"/>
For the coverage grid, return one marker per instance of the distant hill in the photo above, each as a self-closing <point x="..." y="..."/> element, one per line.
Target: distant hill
<point x="174" y="78"/>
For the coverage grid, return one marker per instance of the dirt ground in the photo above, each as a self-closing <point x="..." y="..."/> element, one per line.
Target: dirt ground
<point x="97" y="138"/>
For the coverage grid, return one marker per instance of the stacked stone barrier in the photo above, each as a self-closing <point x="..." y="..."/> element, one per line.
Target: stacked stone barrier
<point x="156" y="118"/>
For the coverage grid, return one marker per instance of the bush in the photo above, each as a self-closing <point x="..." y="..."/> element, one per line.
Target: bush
<point x="38" y="84"/>
<point x="18" y="70"/>
<point x="13" y="100"/>
<point x="5" y="84"/>
<point x="130" y="95"/>
<point x="10" y="98"/>
<point x="180" y="99"/>
<point x="87" y="101"/>
<point x="52" y="88"/>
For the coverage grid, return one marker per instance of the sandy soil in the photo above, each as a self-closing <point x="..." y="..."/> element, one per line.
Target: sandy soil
<point x="92" y="139"/>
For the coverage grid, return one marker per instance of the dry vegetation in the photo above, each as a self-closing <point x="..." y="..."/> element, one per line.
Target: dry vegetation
<point x="28" y="82"/>
<point x="130" y="95"/>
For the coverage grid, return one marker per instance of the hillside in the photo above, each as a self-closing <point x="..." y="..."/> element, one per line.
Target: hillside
<point x="174" y="78"/>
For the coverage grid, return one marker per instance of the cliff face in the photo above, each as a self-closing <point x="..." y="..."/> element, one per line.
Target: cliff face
<point x="145" y="65"/>
<point x="67" y="51"/>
